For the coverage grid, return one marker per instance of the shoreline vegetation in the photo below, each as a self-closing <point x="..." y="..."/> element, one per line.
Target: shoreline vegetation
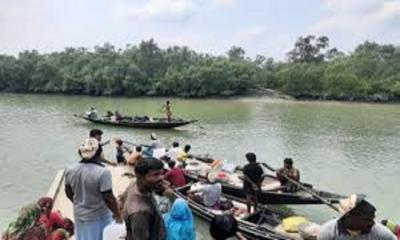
<point x="312" y="71"/>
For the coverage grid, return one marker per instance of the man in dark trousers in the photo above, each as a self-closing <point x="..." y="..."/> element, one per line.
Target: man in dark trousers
<point x="142" y="217"/>
<point x="253" y="177"/>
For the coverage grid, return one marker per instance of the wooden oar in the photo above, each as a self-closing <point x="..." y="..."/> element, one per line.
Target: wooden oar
<point x="199" y="126"/>
<point x="201" y="158"/>
<point x="315" y="195"/>
<point x="105" y="143"/>
<point x="135" y="144"/>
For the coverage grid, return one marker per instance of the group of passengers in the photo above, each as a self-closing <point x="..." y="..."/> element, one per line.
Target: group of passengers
<point x="117" y="117"/>
<point x="89" y="186"/>
<point x="142" y="214"/>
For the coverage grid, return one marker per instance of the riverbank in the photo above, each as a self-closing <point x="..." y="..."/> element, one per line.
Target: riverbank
<point x="264" y="93"/>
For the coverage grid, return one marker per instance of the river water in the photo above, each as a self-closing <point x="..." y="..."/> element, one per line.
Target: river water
<point x="340" y="147"/>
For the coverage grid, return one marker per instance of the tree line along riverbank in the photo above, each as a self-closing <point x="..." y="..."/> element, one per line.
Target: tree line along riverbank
<point x="312" y="70"/>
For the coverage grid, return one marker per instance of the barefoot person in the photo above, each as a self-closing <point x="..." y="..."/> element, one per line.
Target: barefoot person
<point x="253" y="177"/>
<point x="168" y="111"/>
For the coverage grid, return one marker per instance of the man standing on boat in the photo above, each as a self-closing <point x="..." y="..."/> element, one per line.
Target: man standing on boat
<point x="167" y="109"/>
<point x="289" y="171"/>
<point x="89" y="187"/>
<point x="142" y="217"/>
<point x="253" y="177"/>
<point x="356" y="223"/>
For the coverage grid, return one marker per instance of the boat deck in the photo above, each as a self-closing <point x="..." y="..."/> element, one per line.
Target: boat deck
<point x="64" y="205"/>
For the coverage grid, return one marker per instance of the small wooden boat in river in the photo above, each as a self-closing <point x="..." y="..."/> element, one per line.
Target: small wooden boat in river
<point x="232" y="185"/>
<point x="152" y="123"/>
<point x="264" y="224"/>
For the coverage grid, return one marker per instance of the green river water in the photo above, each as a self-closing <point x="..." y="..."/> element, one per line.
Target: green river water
<point x="340" y="147"/>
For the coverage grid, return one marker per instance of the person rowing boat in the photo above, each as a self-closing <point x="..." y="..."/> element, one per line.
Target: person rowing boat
<point x="291" y="172"/>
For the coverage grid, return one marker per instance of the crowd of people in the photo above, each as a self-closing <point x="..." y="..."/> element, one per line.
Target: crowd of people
<point x="116" y="116"/>
<point x="149" y="210"/>
<point x="88" y="184"/>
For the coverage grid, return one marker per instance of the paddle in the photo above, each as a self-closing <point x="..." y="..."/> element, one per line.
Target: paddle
<point x="205" y="159"/>
<point x="315" y="195"/>
<point x="105" y="143"/>
<point x="199" y="126"/>
<point x="134" y="144"/>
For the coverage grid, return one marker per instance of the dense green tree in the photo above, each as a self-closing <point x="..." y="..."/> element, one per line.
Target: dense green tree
<point x="314" y="70"/>
<point x="309" y="49"/>
<point x="236" y="53"/>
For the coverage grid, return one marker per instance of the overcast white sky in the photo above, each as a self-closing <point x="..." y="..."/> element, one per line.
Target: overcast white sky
<point x="267" y="27"/>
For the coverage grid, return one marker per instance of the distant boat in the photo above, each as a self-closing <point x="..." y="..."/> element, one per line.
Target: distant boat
<point x="140" y="122"/>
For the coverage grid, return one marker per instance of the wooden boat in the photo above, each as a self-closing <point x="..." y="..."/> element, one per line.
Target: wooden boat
<point x="232" y="185"/>
<point x="264" y="224"/>
<point x="155" y="123"/>
<point x="64" y="205"/>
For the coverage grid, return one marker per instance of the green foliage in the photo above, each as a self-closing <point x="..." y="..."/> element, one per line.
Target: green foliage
<point x="302" y="79"/>
<point x="314" y="70"/>
<point x="311" y="49"/>
<point x="236" y="53"/>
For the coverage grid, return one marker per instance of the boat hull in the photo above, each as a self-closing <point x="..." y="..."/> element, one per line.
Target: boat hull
<point x="272" y="196"/>
<point x="141" y="124"/>
<point x="248" y="229"/>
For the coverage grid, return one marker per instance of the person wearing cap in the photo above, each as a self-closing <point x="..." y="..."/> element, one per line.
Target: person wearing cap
<point x="357" y="222"/>
<point x="88" y="185"/>
<point x="209" y="193"/>
<point x="97" y="134"/>
<point x="142" y="216"/>
<point x="290" y="171"/>
<point x="253" y="178"/>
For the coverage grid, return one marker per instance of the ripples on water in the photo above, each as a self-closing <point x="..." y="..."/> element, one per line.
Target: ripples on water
<point x="339" y="147"/>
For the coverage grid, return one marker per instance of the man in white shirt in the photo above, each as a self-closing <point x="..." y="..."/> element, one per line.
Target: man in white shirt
<point x="208" y="194"/>
<point x="173" y="152"/>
